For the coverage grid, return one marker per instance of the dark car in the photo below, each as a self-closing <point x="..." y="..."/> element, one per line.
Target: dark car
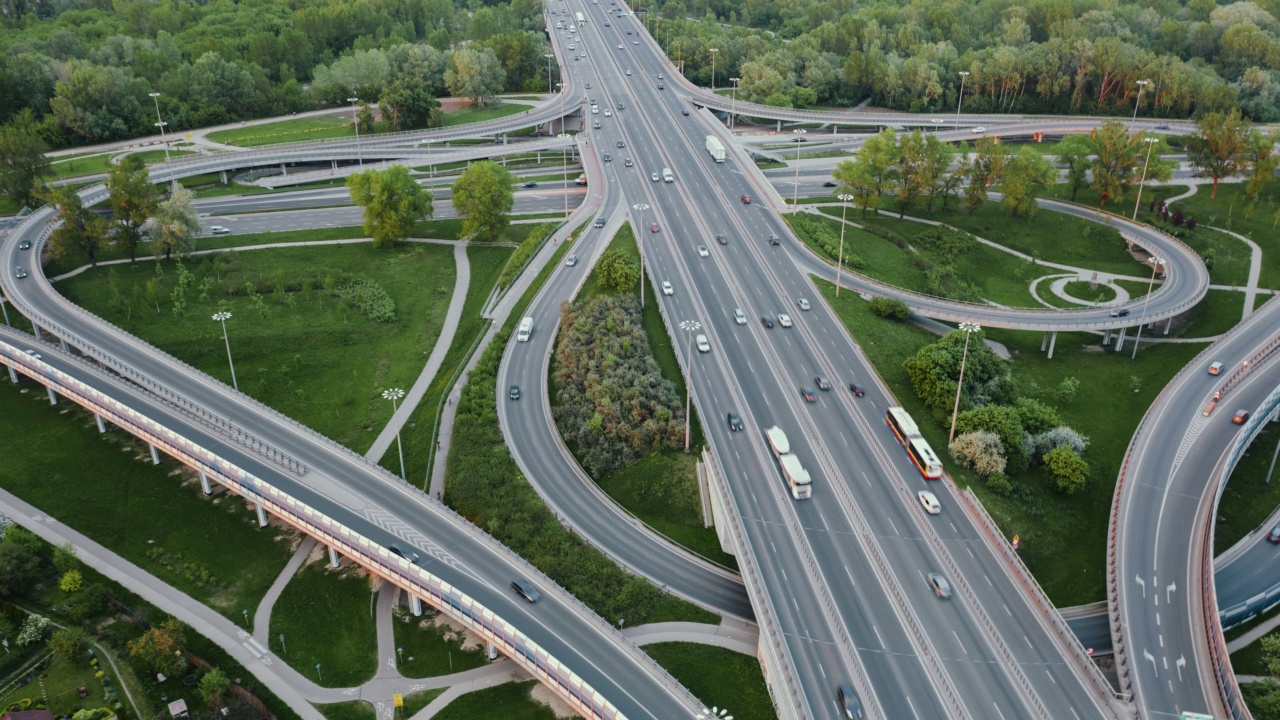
<point x="849" y="703"/>
<point x="1274" y="535"/>
<point x="660" y="85"/>
<point x="735" y="422"/>
<point x="829" y="183"/>
<point x="857" y="390"/>
<point x="607" y="158"/>
<point x="621" y="144"/>
<point x="526" y="590"/>
<point x="514" y="392"/>
<point x="24" y="245"/>
<point x="1122" y="312"/>
<point x="531" y="183"/>
<point x="822" y="383"/>
<point x="621" y="106"/>
<point x="766" y="321"/>
<point x="599" y="222"/>
<point x="808" y="394"/>
<point x="404" y="552"/>
<point x="773" y="240"/>
<point x="685" y="112"/>
<point x="722" y="239"/>
<point x="19" y="272"/>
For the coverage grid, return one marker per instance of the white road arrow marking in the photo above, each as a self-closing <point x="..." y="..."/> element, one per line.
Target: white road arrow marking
<point x="1169" y="592"/>
<point x="1181" y="663"/>
<point x="1154" y="668"/>
<point x="1138" y="579"/>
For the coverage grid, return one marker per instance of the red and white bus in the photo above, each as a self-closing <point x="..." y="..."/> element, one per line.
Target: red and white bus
<point x="908" y="434"/>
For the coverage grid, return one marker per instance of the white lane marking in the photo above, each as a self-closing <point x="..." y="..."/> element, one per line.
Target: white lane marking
<point x="962" y="648"/>
<point x="864" y="477"/>
<point x="851" y="581"/>
<point x="876" y="630"/>
<point x="997" y="707"/>
<point x="911" y="705"/>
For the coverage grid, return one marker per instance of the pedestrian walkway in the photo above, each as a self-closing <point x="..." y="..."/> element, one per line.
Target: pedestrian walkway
<point x="262" y="615"/>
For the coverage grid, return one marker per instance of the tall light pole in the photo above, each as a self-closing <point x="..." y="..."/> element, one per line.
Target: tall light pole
<point x="963" y="74"/>
<point x="969" y="329"/>
<point x="733" y="101"/>
<point x="937" y="125"/>
<point x="795" y="193"/>
<point x="1141" y="85"/>
<point x="713" y="52"/>
<point x="548" y="56"/>
<point x="395" y="395"/>
<point x="355" y="122"/>
<point x="714" y="713"/>
<point x="160" y="123"/>
<point x="1151" y="143"/>
<point x="1156" y="264"/>
<point x="844" y="198"/>
<point x="223" y="317"/>
<point x="689" y="326"/>
<point x="639" y="208"/>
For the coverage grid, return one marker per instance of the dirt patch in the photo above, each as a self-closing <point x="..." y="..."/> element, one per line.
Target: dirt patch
<point x="469" y="640"/>
<point x="454" y="104"/>
<point x="542" y="695"/>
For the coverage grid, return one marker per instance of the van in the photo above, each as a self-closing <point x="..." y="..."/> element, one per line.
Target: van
<point x="525" y="330"/>
<point x="667" y="176"/>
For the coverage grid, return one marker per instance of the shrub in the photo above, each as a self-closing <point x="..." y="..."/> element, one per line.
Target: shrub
<point x="1036" y="417"/>
<point x="891" y="308"/>
<point x="372" y="300"/>
<point x="819" y="233"/>
<point x="71" y="582"/>
<point x="999" y="483"/>
<point x="528" y="247"/>
<point x="1068" y="388"/>
<point x="1001" y="420"/>
<point x="1062" y="436"/>
<point x="1067" y="470"/>
<point x="982" y="451"/>
<point x="617" y="271"/>
<point x="69" y="645"/>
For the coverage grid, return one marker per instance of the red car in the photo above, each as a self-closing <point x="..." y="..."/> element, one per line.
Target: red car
<point x="746" y="199"/>
<point x="653" y="228"/>
<point x="1240" y="417"/>
<point x="808" y="394"/>
<point x="722" y="240"/>
<point x="857" y="390"/>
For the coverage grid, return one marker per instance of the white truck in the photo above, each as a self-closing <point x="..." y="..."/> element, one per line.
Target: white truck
<point x="667" y="176"/>
<point x="715" y="148"/>
<point x="525" y="330"/>
<point x="792" y="470"/>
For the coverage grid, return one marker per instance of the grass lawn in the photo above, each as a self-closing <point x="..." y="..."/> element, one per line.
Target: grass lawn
<point x="508" y="701"/>
<point x="326" y="617"/>
<point x="414" y="702"/>
<point x="718" y="677"/>
<point x="1248" y="498"/>
<point x="1233" y="210"/>
<point x="1063" y="537"/>
<point x="431" y="650"/>
<point x="1080" y="289"/>
<point x="350" y="710"/>
<point x="322" y="127"/>
<point x="58" y="688"/>
<point x="106" y="487"/>
<point x="82" y="165"/>
<point x="449" y="229"/>
<point x="480" y="114"/>
<point x="304" y="351"/>
<point x="155" y="156"/>
<point x="1218" y="312"/>
<point x="1248" y="659"/>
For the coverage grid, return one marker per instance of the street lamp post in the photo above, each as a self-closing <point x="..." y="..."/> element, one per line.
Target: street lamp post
<point x="355" y="121"/>
<point x="1142" y="84"/>
<point x="715" y="713"/>
<point x="639" y="208"/>
<point x="844" y="208"/>
<point x="1151" y="143"/>
<point x="963" y="74"/>
<point x="689" y="326"/>
<point x="969" y="329"/>
<point x="395" y="395"/>
<point x="795" y="193"/>
<point x="161" y="124"/>
<point x="223" y="317"/>
<point x="548" y="56"/>
<point x="733" y="101"/>
<point x="1156" y="264"/>
<point x="713" y="52"/>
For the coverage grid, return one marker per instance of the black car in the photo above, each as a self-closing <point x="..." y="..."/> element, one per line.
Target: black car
<point x="1122" y="312"/>
<point x="849" y="703"/>
<point x="514" y="392"/>
<point x="600" y="222"/>
<point x="829" y="183"/>
<point x="766" y="321"/>
<point x="735" y="422"/>
<point x="404" y="552"/>
<point x="857" y="390"/>
<point x="622" y="106"/>
<point x="531" y="183"/>
<point x="607" y="158"/>
<point x="621" y="144"/>
<point x="685" y="112"/>
<point x="773" y="240"/>
<point x="822" y="383"/>
<point x="24" y="245"/>
<point x="526" y="590"/>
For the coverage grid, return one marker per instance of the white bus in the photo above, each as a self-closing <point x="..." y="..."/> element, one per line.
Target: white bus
<point x="581" y="21"/>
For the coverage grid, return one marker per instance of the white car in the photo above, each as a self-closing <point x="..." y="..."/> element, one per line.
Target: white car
<point x="979" y="130"/>
<point x="703" y="251"/>
<point x="667" y="289"/>
<point x="619" y="47"/>
<point x="803" y="303"/>
<point x="929" y="502"/>
<point x="739" y="316"/>
<point x="608" y="113"/>
<point x="653" y="177"/>
<point x="219" y="230"/>
<point x="595" y="109"/>
<point x="703" y="344"/>
<point x="572" y="47"/>
<point x="628" y="73"/>
<point x="571" y="261"/>
<point x="784" y="320"/>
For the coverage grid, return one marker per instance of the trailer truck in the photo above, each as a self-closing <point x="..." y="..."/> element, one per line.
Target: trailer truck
<point x="715" y="148"/>
<point x="793" y="472"/>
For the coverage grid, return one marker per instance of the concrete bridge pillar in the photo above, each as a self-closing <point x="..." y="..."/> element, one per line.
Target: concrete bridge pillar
<point x="262" y="514"/>
<point x="779" y="127"/>
<point x="334" y="559"/>
<point x="334" y="164"/>
<point x="222" y="175"/>
<point x="53" y="399"/>
<point x="204" y="483"/>
<point x="1106" y="338"/>
<point x="37" y="329"/>
<point x="1053" y="339"/>
<point x="63" y="343"/>
<point x="155" y="454"/>
<point x="415" y="605"/>
<point x="13" y="374"/>
<point x="1044" y="340"/>
<point x="101" y="427"/>
<point x="284" y="170"/>
<point x="1167" y="323"/>
<point x="1120" y="339"/>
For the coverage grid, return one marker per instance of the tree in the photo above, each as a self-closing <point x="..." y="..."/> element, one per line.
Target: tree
<point x="65" y="558"/>
<point x="982" y="451"/>
<point x="618" y="272"/>
<point x="22" y="158"/>
<point x="34" y="628"/>
<point x="408" y="103"/>
<point x="98" y="103"/>
<point x="80" y="231"/>
<point x="1004" y="422"/>
<point x="887" y="307"/>
<point x="1271" y="654"/>
<point x="69" y="645"/>
<point x="983" y="170"/>
<point x="160" y="647"/>
<point x="934" y="170"/>
<point x="1260" y="160"/>
<point x="132" y="200"/>
<point x="213" y="687"/>
<point x="174" y="225"/>
<point x="1035" y="416"/>
<point x="1075" y="152"/>
<point x="1028" y="176"/>
<point x="911" y="164"/>
<point x="364" y="119"/>
<point x="474" y="73"/>
<point x="482" y="196"/>
<point x="72" y="581"/>
<point x="392" y="200"/>
<point x="1219" y="150"/>
<point x="1067" y="470"/>
<point x="19" y="563"/>
<point x="871" y="173"/>
<point x="935" y="369"/>
<point x="1116" y="160"/>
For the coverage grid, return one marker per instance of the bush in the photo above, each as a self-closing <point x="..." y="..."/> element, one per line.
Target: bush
<point x="372" y="300"/>
<point x="69" y="645"/>
<point x="1067" y="470"/>
<point x="1037" y="446"/>
<point x="617" y="271"/>
<point x="982" y="451"/>
<point x="528" y="247"/>
<point x="818" y="232"/>
<point x="1001" y="420"/>
<point x="999" y="483"/>
<point x="935" y="369"/>
<point x="891" y="308"/>
<point x="1036" y="417"/>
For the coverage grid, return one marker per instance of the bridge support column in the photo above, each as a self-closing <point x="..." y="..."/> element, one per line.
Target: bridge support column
<point x="284" y="170"/>
<point x="1167" y="323"/>
<point x="53" y="399"/>
<point x="334" y="560"/>
<point x="262" y="514"/>
<point x="204" y="483"/>
<point x="13" y="374"/>
<point x="155" y="454"/>
<point x="334" y="166"/>
<point x="63" y="343"/>
<point x="492" y="651"/>
<point x="1053" y="340"/>
<point x="101" y="427"/>
<point x="37" y="329"/>
<point x="1044" y="340"/>
<point x="1106" y="338"/>
<point x="415" y="605"/>
<point x="1120" y="339"/>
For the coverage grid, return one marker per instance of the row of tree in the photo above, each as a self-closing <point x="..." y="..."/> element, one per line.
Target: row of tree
<point x="1043" y="56"/>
